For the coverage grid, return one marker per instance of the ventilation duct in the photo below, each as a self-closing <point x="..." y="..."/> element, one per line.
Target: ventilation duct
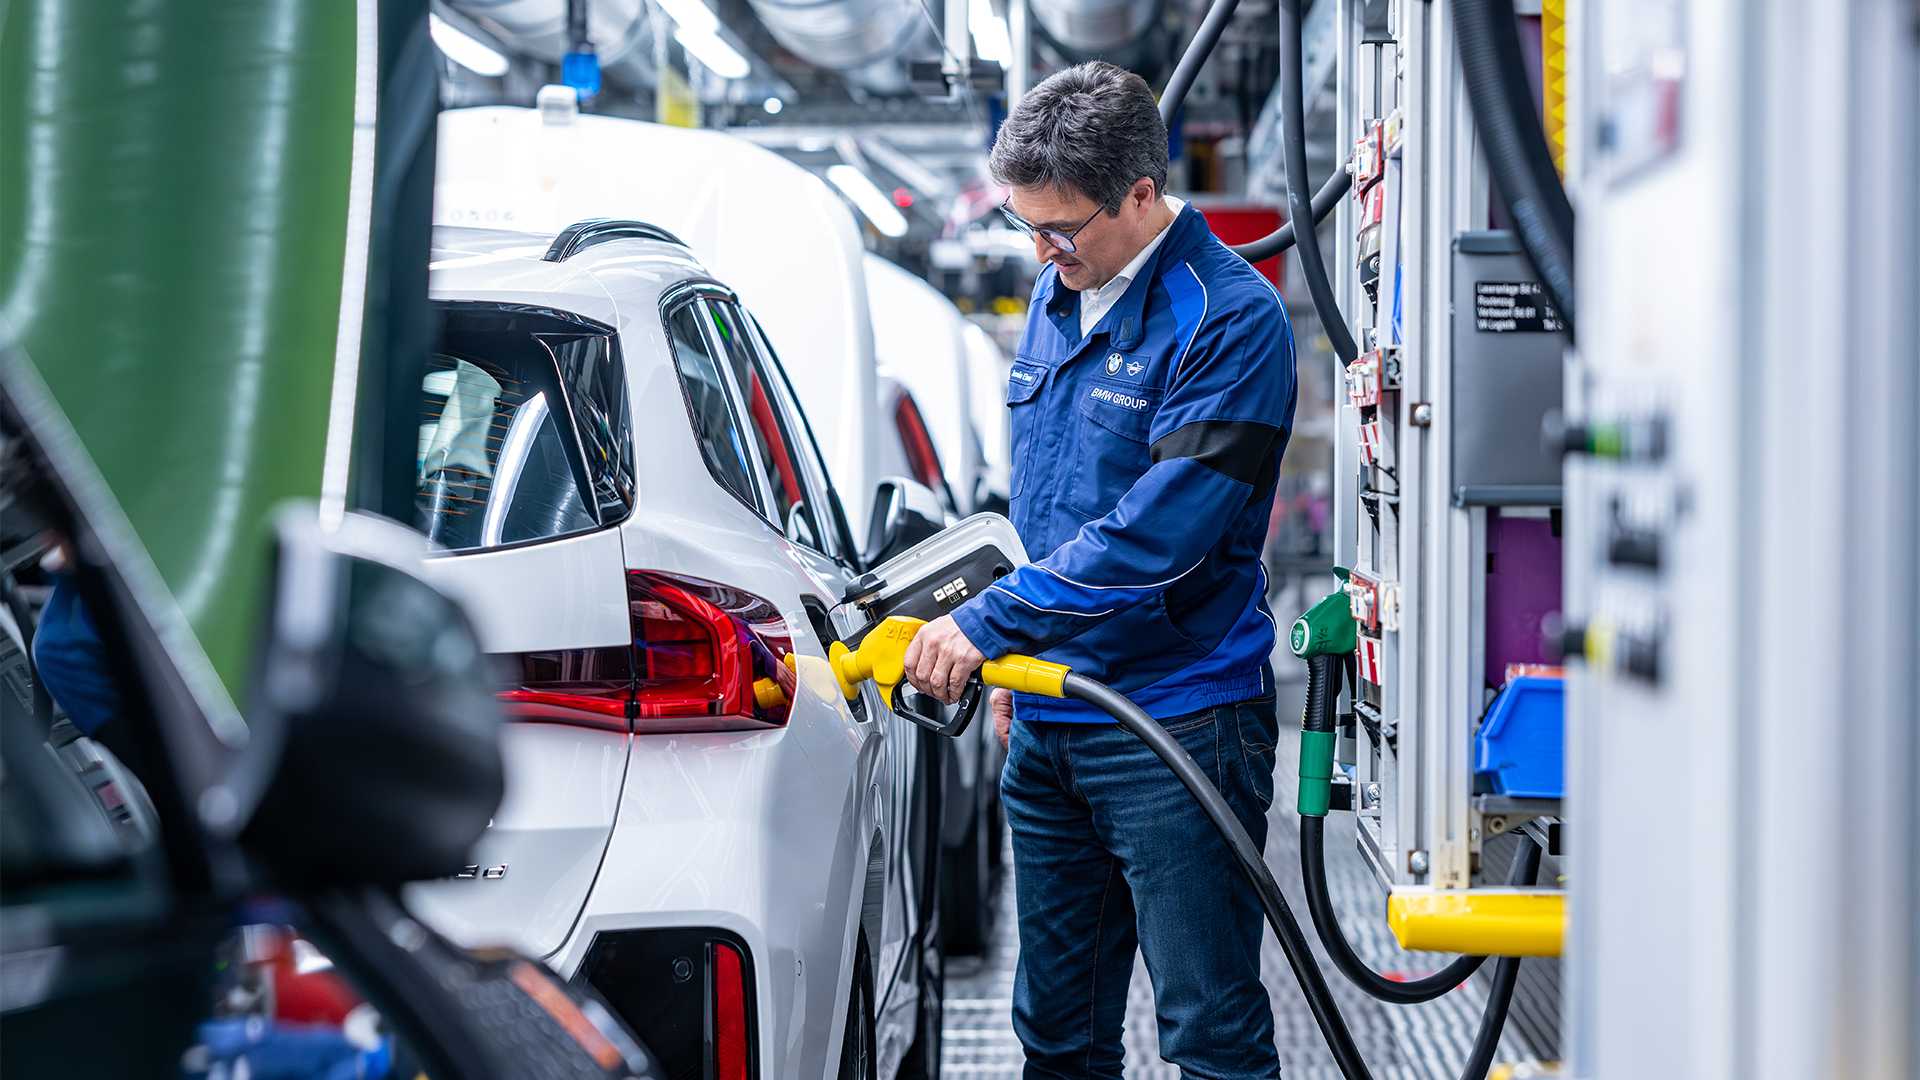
<point x="842" y="34"/>
<point x="1085" y="29"/>
<point x="538" y="28"/>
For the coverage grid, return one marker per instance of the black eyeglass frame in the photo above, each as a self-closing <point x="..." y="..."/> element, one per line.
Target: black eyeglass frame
<point x="1063" y="241"/>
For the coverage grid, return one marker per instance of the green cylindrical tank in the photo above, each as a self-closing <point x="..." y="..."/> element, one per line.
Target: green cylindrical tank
<point x="174" y="184"/>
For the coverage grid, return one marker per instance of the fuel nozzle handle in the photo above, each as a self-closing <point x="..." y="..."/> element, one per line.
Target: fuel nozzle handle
<point x="882" y="657"/>
<point x="1327" y="628"/>
<point x="1322" y="637"/>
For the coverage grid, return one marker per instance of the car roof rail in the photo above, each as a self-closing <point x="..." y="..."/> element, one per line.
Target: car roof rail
<point x="581" y="235"/>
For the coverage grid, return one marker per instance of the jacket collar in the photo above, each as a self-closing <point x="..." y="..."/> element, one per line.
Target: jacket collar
<point x="1125" y="323"/>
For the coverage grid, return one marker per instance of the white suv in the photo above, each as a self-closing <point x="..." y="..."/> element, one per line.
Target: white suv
<point x="737" y="859"/>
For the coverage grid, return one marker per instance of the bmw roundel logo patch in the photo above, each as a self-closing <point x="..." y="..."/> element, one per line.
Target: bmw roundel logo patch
<point x="1113" y="363"/>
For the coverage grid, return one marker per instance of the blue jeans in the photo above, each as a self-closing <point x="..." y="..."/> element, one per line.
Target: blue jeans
<point x="1110" y="852"/>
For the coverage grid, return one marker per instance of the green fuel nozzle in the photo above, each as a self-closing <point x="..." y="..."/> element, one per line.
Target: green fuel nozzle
<point x="1327" y="628"/>
<point x="1321" y="637"/>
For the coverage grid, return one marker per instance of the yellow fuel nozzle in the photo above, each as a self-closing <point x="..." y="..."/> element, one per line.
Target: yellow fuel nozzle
<point x="768" y="695"/>
<point x="882" y="657"/>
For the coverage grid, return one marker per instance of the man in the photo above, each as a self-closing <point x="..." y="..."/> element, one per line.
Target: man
<point x="1152" y="396"/>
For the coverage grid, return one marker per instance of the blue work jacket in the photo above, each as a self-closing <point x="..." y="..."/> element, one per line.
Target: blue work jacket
<point x="1144" y="461"/>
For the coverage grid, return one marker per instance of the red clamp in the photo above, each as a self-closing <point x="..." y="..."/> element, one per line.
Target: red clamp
<point x="1363" y="380"/>
<point x="1363" y="600"/>
<point x="1370" y="441"/>
<point x="1369" y="157"/>
<point x="1367" y="663"/>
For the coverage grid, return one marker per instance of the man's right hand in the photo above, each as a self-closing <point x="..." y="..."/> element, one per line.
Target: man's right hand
<point x="1001" y="702"/>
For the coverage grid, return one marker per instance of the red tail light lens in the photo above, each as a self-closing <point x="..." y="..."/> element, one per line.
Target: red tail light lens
<point x="706" y="657"/>
<point x="921" y="455"/>
<point x="583" y="687"/>
<point x="729" y="1014"/>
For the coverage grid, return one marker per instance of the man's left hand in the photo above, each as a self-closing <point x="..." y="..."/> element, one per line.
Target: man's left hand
<point x="940" y="659"/>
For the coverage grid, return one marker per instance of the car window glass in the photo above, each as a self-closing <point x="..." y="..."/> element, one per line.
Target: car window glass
<point x="499" y="460"/>
<point x="791" y="508"/>
<point x="595" y="380"/>
<point x="714" y="423"/>
<point x="806" y="447"/>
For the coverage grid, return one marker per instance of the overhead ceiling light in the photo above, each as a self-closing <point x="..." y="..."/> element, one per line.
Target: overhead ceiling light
<point x="714" y="53"/>
<point x="466" y="50"/>
<point x="860" y="191"/>
<point x="989" y="32"/>
<point x="691" y="15"/>
<point x="773" y="106"/>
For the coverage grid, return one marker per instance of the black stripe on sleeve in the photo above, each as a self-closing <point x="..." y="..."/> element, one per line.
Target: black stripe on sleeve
<point x="1239" y="449"/>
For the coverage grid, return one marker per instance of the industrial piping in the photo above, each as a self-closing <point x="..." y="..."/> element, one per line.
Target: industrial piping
<point x="1218" y="16"/>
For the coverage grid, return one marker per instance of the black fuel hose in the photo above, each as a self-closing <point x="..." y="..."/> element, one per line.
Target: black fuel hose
<point x="1313" y="983"/>
<point x="1313" y="869"/>
<point x="1293" y="147"/>
<point x="1323" y="691"/>
<point x="1219" y="14"/>
<point x="1518" y="160"/>
<point x="1281" y="239"/>
<point x="1506" y="973"/>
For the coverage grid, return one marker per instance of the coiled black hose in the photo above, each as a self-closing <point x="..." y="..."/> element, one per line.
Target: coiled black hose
<point x="1518" y="160"/>
<point x="1313" y="869"/>
<point x="1323" y="691"/>
<point x="1313" y="983"/>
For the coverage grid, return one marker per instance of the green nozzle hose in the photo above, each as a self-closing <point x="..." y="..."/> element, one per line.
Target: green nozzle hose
<point x="1316" y="773"/>
<point x="1325" y="632"/>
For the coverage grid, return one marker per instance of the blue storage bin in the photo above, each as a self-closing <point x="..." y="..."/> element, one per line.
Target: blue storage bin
<point x="1521" y="747"/>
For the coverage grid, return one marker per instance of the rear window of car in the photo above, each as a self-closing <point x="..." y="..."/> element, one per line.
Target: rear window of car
<point x="716" y="425"/>
<point x="523" y="430"/>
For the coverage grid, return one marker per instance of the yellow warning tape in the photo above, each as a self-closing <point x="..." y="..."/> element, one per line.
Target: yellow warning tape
<point x="1553" y="78"/>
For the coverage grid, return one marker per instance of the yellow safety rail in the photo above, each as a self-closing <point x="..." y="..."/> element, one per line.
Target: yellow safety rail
<point x="1480" y="922"/>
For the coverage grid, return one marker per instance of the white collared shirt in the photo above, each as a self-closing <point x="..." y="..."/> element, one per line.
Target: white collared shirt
<point x="1095" y="303"/>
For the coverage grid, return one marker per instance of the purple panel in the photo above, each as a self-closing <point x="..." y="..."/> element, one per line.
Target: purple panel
<point x="1523" y="588"/>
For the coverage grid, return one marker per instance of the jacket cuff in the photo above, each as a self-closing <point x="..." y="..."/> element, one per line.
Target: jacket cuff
<point x="971" y="619"/>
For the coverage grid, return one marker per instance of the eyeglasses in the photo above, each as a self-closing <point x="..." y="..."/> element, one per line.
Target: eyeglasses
<point x="1061" y="240"/>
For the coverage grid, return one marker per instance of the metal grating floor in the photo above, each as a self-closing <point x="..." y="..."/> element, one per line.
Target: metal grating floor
<point x="1399" y="1042"/>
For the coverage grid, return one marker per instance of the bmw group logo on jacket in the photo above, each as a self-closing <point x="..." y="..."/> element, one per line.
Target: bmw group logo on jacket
<point x="1144" y="461"/>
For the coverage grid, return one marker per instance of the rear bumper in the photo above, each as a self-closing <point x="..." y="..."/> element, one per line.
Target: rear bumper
<point x="681" y="991"/>
<point x="748" y="837"/>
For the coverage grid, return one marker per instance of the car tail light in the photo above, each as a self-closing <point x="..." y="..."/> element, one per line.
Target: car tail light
<point x="730" y="1045"/>
<point x="921" y="455"/>
<point x="583" y="687"/>
<point x="706" y="657"/>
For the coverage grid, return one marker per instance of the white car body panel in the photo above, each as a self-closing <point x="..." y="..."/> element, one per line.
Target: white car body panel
<point x="988" y="370"/>
<point x="576" y="566"/>
<point x="546" y="841"/>
<point x="773" y="835"/>
<point x="775" y="233"/>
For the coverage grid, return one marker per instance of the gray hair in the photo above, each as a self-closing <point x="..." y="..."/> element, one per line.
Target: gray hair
<point x="1093" y="128"/>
